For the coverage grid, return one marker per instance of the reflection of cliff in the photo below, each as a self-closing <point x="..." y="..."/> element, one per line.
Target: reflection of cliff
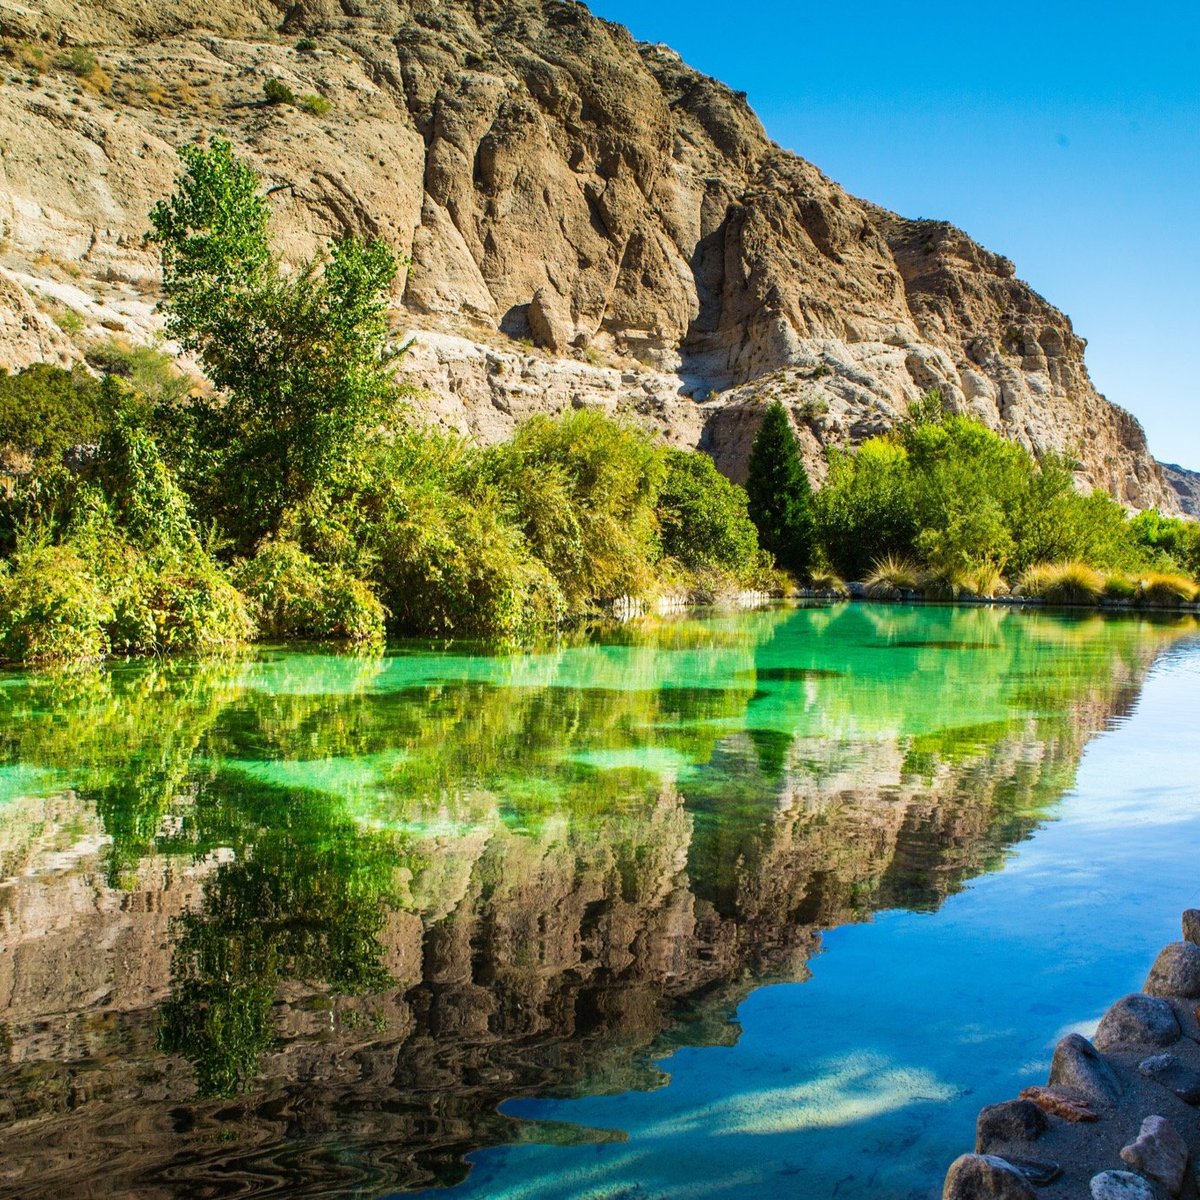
<point x="460" y="907"/>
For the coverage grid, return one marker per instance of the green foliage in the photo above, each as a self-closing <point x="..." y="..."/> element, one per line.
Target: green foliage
<point x="151" y="373"/>
<point x="275" y="91"/>
<point x="306" y="45"/>
<point x="780" y="498"/>
<point x="314" y="104"/>
<point x="583" y="491"/>
<point x="1168" y="542"/>
<point x="297" y="597"/>
<point x="301" y="364"/>
<point x="866" y="510"/>
<point x="46" y="410"/>
<point x="704" y="518"/>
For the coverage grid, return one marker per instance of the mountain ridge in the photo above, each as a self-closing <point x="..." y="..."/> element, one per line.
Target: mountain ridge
<point x="591" y="222"/>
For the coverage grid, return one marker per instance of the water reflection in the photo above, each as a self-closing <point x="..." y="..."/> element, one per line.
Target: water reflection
<point x="298" y="923"/>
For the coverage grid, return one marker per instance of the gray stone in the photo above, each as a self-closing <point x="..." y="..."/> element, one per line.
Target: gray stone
<point x="1176" y="971"/>
<point x="1078" y="1067"/>
<point x="1012" y="1121"/>
<point x="1173" y="1074"/>
<point x="1038" y="1172"/>
<point x="1138" y="1020"/>
<point x="985" y="1177"/>
<point x="1159" y="1153"/>
<point x="1191" y="925"/>
<point x="1120" y="1185"/>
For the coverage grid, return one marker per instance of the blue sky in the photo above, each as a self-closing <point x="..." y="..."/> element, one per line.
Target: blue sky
<point x="1065" y="135"/>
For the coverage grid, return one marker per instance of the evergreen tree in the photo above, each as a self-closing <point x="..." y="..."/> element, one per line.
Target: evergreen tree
<point x="781" y="504"/>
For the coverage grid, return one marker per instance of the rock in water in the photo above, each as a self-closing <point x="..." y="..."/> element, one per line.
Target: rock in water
<point x="1059" y="1104"/>
<point x="1191" y="925"/>
<point x="1176" y="971"/>
<point x="1078" y="1067"/>
<point x="1173" y="1074"/>
<point x="985" y="1177"/>
<point x="1160" y="1153"/>
<point x="1012" y="1121"/>
<point x="1138" y="1020"/>
<point x="1120" y="1185"/>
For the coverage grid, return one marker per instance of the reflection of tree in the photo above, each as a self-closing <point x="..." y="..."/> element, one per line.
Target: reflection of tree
<point x="436" y="882"/>
<point x="305" y="900"/>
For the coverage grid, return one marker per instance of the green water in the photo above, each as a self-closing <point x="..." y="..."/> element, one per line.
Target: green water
<point x="308" y="924"/>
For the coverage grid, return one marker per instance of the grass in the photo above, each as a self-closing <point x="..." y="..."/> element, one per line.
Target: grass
<point x="1166" y="589"/>
<point x="892" y="574"/>
<point x="825" y="580"/>
<point x="1064" y="583"/>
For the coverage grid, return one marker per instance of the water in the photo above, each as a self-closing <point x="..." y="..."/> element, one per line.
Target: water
<point x="761" y="904"/>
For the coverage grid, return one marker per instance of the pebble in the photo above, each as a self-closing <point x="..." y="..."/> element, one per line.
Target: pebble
<point x="1159" y="1153"/>
<point x="1173" y="1074"/>
<point x="1138" y="1020"/>
<point x="1176" y="971"/>
<point x="1012" y="1121"/>
<point x="1078" y="1067"/>
<point x="985" y="1177"/>
<point x="1120" y="1185"/>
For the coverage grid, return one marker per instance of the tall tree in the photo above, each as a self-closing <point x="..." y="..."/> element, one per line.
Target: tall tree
<point x="781" y="504"/>
<point x="301" y="363"/>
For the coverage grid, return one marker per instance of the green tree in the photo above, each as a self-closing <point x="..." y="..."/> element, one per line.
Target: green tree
<point x="301" y="363"/>
<point x="781" y="504"/>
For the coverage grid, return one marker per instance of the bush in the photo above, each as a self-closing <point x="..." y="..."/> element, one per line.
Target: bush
<point x="297" y="597"/>
<point x="52" y="609"/>
<point x="310" y="102"/>
<point x="704" y="520"/>
<point x="306" y="45"/>
<point x="47" y="410"/>
<point x="275" y="91"/>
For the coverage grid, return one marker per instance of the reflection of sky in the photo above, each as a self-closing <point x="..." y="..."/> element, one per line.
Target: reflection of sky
<point x="866" y="1080"/>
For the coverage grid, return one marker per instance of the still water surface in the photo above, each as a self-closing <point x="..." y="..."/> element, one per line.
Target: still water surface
<point x="764" y="904"/>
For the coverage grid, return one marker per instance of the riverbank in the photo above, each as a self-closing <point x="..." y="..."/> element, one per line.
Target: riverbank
<point x="1117" y="1119"/>
<point x="860" y="591"/>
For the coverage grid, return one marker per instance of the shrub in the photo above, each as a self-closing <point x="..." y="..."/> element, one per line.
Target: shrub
<point x="312" y="103"/>
<point x="306" y="45"/>
<point x="703" y="517"/>
<point x="822" y="579"/>
<point x="80" y="61"/>
<point x="52" y="609"/>
<point x="296" y="597"/>
<point x="780" y="498"/>
<point x="46" y="410"/>
<point x="892" y="575"/>
<point x="275" y="91"/>
<point x="1120" y="587"/>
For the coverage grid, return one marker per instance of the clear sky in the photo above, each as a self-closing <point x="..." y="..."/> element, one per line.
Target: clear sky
<point x="1063" y="134"/>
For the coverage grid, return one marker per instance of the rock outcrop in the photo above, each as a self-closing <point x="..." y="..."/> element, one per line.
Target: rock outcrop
<point x="554" y="181"/>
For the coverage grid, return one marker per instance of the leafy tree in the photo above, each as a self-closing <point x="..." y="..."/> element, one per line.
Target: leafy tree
<point x="301" y="363"/>
<point x="47" y="410"/>
<point x="781" y="504"/>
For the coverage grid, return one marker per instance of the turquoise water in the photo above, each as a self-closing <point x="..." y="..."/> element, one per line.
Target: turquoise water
<point x="756" y="904"/>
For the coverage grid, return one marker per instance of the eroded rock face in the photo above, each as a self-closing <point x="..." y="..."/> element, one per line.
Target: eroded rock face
<point x="553" y="180"/>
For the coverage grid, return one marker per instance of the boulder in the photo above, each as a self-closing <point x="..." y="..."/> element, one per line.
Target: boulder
<point x="985" y="1177"/>
<point x="1012" y="1121"/>
<point x="1120" y="1185"/>
<point x="550" y="320"/>
<point x="1176" y="971"/>
<point x="1159" y="1153"/>
<point x="1077" y="1067"/>
<point x="1138" y="1020"/>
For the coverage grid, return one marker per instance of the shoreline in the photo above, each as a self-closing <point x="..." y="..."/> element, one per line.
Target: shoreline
<point x="857" y="592"/>
<point x="1117" y="1118"/>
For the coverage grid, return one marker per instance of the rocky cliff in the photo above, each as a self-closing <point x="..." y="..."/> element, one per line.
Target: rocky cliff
<point x="590" y="222"/>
